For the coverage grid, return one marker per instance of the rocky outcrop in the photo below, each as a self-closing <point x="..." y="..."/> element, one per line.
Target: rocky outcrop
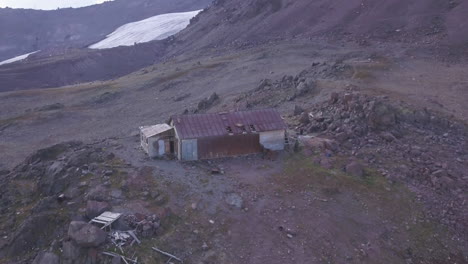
<point x="405" y="144"/>
<point x="35" y="230"/>
<point x="47" y="200"/>
<point x="209" y="102"/>
<point x="271" y="93"/>
<point x="74" y="254"/>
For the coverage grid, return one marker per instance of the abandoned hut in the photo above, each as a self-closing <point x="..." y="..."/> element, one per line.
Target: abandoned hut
<point x="210" y="136"/>
<point x="157" y="140"/>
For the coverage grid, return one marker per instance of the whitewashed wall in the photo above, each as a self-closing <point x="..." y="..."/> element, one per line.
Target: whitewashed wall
<point x="272" y="140"/>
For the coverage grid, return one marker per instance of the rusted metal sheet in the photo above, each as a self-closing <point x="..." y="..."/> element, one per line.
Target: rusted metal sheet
<point x="228" y="123"/>
<point x="227" y="146"/>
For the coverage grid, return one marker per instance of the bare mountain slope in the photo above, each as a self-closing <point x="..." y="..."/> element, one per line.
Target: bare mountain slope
<point x="419" y="21"/>
<point x="426" y="25"/>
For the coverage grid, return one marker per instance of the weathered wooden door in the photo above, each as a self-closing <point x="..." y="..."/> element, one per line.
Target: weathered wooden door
<point x="189" y="149"/>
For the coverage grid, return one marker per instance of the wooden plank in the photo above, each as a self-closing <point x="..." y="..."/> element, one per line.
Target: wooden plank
<point x="98" y="221"/>
<point x="167" y="254"/>
<point x="103" y="218"/>
<point x="110" y="214"/>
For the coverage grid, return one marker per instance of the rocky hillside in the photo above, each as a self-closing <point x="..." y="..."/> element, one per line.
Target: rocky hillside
<point x="48" y="201"/>
<point x="415" y="22"/>
<point x="428" y="26"/>
<point x="24" y="30"/>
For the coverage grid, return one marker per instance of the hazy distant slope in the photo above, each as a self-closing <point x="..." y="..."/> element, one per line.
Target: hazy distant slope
<point x="24" y="30"/>
<point x="17" y="58"/>
<point x="153" y="28"/>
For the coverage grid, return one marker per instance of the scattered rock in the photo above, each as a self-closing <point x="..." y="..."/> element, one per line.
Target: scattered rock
<point x="46" y="258"/>
<point x="116" y="260"/>
<point x="334" y="97"/>
<point x="388" y="136"/>
<point x="302" y="88"/>
<point x="98" y="193"/>
<point x="235" y="200"/>
<point x="382" y="116"/>
<point x="215" y="171"/>
<point x="116" y="194"/>
<point x="263" y="84"/>
<point x="298" y="110"/>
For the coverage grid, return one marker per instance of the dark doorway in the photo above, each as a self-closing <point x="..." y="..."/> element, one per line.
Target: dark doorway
<point x="171" y="147"/>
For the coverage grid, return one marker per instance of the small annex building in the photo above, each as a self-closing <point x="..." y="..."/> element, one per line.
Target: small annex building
<point x="157" y="140"/>
<point x="227" y="134"/>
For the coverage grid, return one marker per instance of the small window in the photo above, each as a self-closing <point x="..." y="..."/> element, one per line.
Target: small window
<point x="229" y="130"/>
<point x="252" y="128"/>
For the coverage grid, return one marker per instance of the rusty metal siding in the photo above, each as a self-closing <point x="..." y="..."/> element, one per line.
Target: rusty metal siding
<point x="228" y="146"/>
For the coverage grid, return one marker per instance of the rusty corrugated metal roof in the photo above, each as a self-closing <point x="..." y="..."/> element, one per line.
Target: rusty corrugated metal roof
<point x="220" y="124"/>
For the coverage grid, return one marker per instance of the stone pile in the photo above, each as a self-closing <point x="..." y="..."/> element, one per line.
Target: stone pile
<point x="418" y="147"/>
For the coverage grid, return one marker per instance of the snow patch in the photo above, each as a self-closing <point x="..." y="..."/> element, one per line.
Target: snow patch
<point x="153" y="28"/>
<point x="18" y="58"/>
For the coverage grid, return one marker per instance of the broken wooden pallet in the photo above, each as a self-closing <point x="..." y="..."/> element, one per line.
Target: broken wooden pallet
<point x="106" y="219"/>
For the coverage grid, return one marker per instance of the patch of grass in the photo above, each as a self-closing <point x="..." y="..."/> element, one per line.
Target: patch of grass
<point x="4" y="123"/>
<point x="374" y="194"/>
<point x="301" y="173"/>
<point x="362" y="75"/>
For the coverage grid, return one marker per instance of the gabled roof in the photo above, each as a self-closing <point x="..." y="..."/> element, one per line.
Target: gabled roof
<point x="150" y="131"/>
<point x="227" y="123"/>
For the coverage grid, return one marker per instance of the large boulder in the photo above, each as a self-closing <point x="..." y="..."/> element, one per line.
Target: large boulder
<point x="54" y="180"/>
<point x="319" y="143"/>
<point x="304" y="86"/>
<point x="355" y="168"/>
<point x="74" y="254"/>
<point x="304" y="118"/>
<point x="95" y="208"/>
<point x="86" y="235"/>
<point x="46" y="258"/>
<point x="98" y="193"/>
